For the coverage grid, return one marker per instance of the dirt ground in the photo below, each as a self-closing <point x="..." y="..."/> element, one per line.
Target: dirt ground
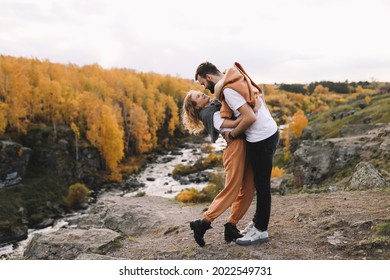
<point x="339" y="225"/>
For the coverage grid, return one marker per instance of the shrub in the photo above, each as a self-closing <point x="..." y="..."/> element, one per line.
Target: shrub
<point x="207" y="194"/>
<point x="277" y="172"/>
<point x="182" y="169"/>
<point x="382" y="229"/>
<point x="77" y="195"/>
<point x="298" y="123"/>
<point x="140" y="194"/>
<point x="213" y="159"/>
<point x="188" y="196"/>
<point x="207" y="148"/>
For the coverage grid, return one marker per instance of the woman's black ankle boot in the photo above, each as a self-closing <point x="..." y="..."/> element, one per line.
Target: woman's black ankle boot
<point x="199" y="227"/>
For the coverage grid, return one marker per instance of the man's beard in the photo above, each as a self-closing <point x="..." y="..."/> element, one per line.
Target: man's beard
<point x="210" y="86"/>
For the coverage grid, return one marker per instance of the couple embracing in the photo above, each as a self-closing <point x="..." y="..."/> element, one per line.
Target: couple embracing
<point x="240" y="115"/>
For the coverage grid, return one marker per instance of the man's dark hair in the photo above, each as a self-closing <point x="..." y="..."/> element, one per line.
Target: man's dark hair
<point x="206" y="68"/>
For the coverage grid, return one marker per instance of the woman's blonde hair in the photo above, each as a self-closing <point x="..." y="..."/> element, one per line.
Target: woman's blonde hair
<point x="190" y="115"/>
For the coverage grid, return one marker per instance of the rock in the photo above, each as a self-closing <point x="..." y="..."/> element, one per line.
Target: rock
<point x="116" y="213"/>
<point x="194" y="178"/>
<point x="184" y="181"/>
<point x="13" y="233"/>
<point x="308" y="133"/>
<point x="385" y="146"/>
<point x="337" y="239"/>
<point x="135" y="185"/>
<point x="14" y="159"/>
<point x="68" y="244"/>
<point x="366" y="177"/>
<point x="315" y="161"/>
<point x="45" y="223"/>
<point x="167" y="159"/>
<point x="312" y="161"/>
<point x="288" y="183"/>
<point x="277" y="187"/>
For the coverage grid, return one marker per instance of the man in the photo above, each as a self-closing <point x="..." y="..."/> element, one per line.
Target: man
<point x="237" y="92"/>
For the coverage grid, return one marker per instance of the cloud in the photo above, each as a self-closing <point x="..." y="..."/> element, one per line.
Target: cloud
<point x="277" y="41"/>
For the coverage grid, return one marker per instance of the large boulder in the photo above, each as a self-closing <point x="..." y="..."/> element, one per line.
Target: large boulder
<point x="124" y="215"/>
<point x="366" y="177"/>
<point x="102" y="226"/>
<point x="68" y="244"/>
<point x="14" y="159"/>
<point x="314" y="161"/>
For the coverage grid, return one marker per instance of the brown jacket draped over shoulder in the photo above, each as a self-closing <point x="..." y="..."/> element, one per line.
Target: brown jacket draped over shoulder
<point x="237" y="79"/>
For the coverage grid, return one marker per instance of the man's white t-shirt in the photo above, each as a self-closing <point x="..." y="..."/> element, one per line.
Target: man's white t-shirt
<point x="218" y="120"/>
<point x="264" y="126"/>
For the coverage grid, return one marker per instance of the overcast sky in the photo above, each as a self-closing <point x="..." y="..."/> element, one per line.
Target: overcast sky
<point x="294" y="41"/>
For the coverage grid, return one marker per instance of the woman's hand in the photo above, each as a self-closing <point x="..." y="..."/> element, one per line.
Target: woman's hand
<point x="226" y="137"/>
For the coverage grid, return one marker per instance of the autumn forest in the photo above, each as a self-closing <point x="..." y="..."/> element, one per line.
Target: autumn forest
<point x="119" y="111"/>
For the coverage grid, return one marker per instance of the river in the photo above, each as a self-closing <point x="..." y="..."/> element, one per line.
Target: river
<point x="157" y="176"/>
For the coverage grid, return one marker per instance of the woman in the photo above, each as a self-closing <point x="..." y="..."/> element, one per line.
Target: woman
<point x="199" y="113"/>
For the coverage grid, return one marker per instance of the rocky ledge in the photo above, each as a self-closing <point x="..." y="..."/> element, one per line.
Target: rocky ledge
<point x="102" y="227"/>
<point x="318" y="160"/>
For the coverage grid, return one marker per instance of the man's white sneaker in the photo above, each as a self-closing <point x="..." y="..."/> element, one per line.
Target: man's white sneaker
<point x="247" y="228"/>
<point x="253" y="236"/>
